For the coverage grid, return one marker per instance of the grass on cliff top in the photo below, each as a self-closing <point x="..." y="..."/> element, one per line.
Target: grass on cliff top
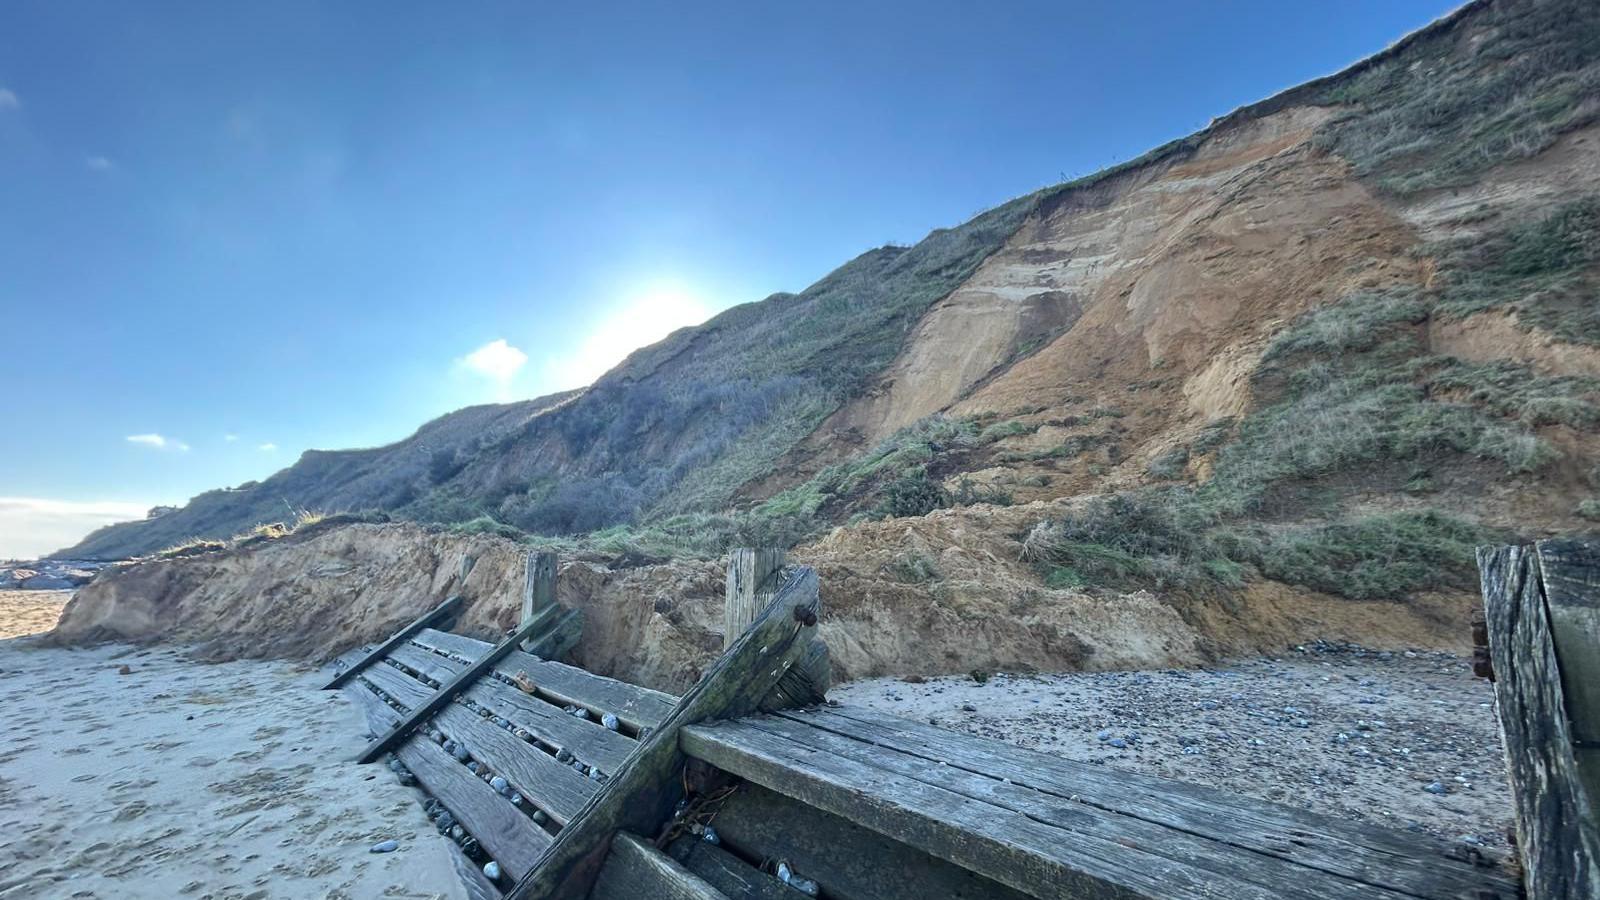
<point x="1449" y="106"/>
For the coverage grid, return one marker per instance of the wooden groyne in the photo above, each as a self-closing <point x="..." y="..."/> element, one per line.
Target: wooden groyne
<point x="747" y="786"/>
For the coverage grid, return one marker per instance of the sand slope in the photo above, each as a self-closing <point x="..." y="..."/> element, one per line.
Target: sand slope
<point x="183" y="780"/>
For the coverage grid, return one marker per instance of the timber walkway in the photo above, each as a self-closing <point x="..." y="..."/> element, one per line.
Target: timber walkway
<point x="575" y="785"/>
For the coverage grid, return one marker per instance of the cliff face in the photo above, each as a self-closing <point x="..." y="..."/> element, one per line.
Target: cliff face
<point x="1328" y="317"/>
<point x="316" y="593"/>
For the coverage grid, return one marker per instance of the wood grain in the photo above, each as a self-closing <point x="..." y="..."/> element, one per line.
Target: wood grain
<point x="642" y="793"/>
<point x="1555" y="829"/>
<point x="634" y="870"/>
<point x="635" y="706"/>
<point x="437" y="615"/>
<point x="461" y="682"/>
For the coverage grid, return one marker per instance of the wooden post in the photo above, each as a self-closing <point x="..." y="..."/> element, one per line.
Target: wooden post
<point x="1556" y="827"/>
<point x="538" y="586"/>
<point x="1571" y="577"/>
<point x="752" y="577"/>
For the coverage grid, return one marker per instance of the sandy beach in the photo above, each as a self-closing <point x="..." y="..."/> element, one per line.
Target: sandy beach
<point x="138" y="773"/>
<point x="30" y="612"/>
<point x="1406" y="740"/>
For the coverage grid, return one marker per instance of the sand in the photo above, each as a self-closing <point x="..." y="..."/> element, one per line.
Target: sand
<point x="1349" y="732"/>
<point x="30" y="612"/>
<point x="186" y="780"/>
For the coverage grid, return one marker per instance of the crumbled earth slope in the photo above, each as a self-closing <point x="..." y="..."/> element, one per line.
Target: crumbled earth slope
<point x="319" y="592"/>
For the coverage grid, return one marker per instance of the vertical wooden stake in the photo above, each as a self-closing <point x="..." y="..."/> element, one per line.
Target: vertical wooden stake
<point x="752" y="577"/>
<point x="1556" y="830"/>
<point x="539" y="585"/>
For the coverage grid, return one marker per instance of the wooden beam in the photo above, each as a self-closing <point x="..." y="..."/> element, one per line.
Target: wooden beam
<point x="763" y="824"/>
<point x="1570" y="571"/>
<point x="1029" y="841"/>
<point x="447" y="693"/>
<point x="641" y="795"/>
<point x="1395" y="860"/>
<point x="752" y="577"/>
<point x="554" y="787"/>
<point x="437" y="614"/>
<point x="737" y="878"/>
<point x="1555" y="831"/>
<point x="538" y="589"/>
<point x="586" y="739"/>
<point x="637" y="707"/>
<point x="635" y="870"/>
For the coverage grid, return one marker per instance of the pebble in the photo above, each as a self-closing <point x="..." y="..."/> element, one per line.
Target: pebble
<point x="1435" y="787"/>
<point x="610" y="721"/>
<point x="1118" y="743"/>
<point x="581" y="713"/>
<point x="491" y="870"/>
<point x="499" y="784"/>
<point x="388" y="846"/>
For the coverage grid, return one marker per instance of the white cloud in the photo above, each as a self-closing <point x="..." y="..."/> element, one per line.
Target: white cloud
<point x="653" y="315"/>
<point x="268" y="447"/>
<point x="230" y="438"/>
<point x="99" y="164"/>
<point x="31" y="527"/>
<point x="497" y="361"/>
<point x="158" y="442"/>
<point x="8" y="100"/>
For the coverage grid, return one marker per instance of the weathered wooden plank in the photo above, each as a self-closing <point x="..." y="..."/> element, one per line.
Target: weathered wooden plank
<point x="1560" y="851"/>
<point x="850" y="862"/>
<point x="634" y="870"/>
<point x="1040" y="858"/>
<point x="1226" y="862"/>
<point x="554" y="787"/>
<point x="508" y="835"/>
<point x="436" y="615"/>
<point x="584" y="738"/>
<point x="636" y="706"/>
<point x="1570" y="572"/>
<point x="730" y="874"/>
<point x="538" y="588"/>
<point x="561" y="639"/>
<point x="477" y="885"/>
<point x="1406" y="863"/>
<point x="752" y="577"/>
<point x="642" y="793"/>
<point x="505" y="832"/>
<point x="455" y="686"/>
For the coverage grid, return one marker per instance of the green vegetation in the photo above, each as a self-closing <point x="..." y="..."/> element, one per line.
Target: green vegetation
<point x="1589" y="509"/>
<point x="1446" y="108"/>
<point x="1359" y="396"/>
<point x="1005" y="429"/>
<point x="1543" y="271"/>
<point x="1374" y="557"/>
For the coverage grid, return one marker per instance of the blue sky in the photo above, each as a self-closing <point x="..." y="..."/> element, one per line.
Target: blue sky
<point x="231" y="232"/>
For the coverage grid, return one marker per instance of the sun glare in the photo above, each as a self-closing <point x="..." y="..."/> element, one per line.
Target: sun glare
<point x="651" y="314"/>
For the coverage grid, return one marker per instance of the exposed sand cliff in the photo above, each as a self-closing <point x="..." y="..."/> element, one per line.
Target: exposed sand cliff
<point x="312" y="596"/>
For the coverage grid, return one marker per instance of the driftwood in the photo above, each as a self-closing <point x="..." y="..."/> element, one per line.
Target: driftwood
<point x="1556" y="830"/>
